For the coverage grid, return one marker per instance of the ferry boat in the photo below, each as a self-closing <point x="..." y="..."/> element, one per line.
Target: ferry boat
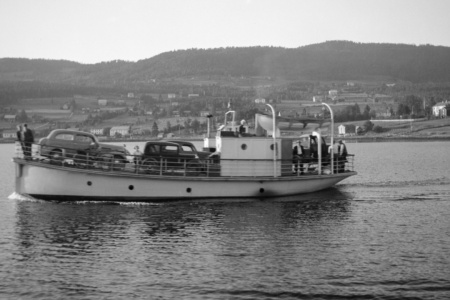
<point x="239" y="165"/>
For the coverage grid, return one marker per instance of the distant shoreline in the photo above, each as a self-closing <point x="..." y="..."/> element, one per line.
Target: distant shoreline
<point x="371" y="139"/>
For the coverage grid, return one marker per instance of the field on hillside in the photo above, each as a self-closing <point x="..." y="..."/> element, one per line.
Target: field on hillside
<point x="421" y="128"/>
<point x="415" y="128"/>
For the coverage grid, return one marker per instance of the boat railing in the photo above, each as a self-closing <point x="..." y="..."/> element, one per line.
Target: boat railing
<point x="211" y="167"/>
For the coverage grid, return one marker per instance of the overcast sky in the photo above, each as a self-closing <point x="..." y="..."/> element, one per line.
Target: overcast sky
<point x="92" y="31"/>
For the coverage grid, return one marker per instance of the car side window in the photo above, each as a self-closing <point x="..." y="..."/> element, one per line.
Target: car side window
<point x="186" y="148"/>
<point x="84" y="139"/>
<point x="169" y="149"/>
<point x="64" y="136"/>
<point x="152" y="149"/>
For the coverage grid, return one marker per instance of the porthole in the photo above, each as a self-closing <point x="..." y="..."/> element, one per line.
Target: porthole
<point x="244" y="146"/>
<point x="188" y="190"/>
<point x="89" y="183"/>
<point x="261" y="190"/>
<point x="271" y="147"/>
<point x="131" y="187"/>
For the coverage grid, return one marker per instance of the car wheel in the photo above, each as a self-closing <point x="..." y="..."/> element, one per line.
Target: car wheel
<point x="56" y="157"/>
<point x="150" y="166"/>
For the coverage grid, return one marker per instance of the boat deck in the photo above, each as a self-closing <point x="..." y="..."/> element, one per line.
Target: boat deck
<point x="214" y="167"/>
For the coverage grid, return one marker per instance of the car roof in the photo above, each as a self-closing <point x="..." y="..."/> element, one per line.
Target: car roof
<point x="182" y="142"/>
<point x="55" y="131"/>
<point x="161" y="143"/>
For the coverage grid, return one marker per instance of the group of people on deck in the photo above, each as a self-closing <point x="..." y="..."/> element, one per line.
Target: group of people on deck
<point x="26" y="139"/>
<point x="339" y="152"/>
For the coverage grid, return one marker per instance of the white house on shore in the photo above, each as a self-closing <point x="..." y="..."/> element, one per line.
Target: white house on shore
<point x="98" y="131"/>
<point x="441" y="109"/>
<point x="122" y="130"/>
<point x="9" y="133"/>
<point x="10" y="118"/>
<point x="348" y="129"/>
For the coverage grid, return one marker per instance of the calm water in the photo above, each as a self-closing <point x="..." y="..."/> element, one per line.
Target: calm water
<point x="384" y="234"/>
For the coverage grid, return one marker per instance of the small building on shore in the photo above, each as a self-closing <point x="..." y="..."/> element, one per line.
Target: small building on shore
<point x="348" y="129"/>
<point x="9" y="133"/>
<point x="10" y="118"/>
<point x="100" y="131"/>
<point x="122" y="130"/>
<point x="441" y="110"/>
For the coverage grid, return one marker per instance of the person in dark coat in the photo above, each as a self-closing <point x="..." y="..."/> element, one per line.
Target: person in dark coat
<point x="19" y="134"/>
<point x="342" y="156"/>
<point x="297" y="155"/>
<point x="242" y="127"/>
<point x="28" y="140"/>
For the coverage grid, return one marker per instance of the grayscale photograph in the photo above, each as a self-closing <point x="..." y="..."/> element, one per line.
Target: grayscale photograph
<point x="225" y="149"/>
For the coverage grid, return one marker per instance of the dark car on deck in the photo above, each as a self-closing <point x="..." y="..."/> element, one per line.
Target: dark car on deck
<point x="162" y="157"/>
<point x="190" y="148"/>
<point x="81" y="147"/>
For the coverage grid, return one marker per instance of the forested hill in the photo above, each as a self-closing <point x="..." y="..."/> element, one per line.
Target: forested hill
<point x="333" y="60"/>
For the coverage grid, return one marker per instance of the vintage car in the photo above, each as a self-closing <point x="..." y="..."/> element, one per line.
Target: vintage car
<point x="170" y="157"/>
<point x="190" y="147"/>
<point x="82" y="148"/>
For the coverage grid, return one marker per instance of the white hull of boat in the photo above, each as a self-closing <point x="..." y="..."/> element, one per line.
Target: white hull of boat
<point x="52" y="182"/>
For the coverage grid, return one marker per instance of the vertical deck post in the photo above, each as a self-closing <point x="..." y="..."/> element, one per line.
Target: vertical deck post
<point x="274" y="134"/>
<point x="332" y="136"/>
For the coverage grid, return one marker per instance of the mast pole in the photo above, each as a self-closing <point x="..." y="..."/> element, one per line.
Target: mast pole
<point x="332" y="136"/>
<point x="274" y="141"/>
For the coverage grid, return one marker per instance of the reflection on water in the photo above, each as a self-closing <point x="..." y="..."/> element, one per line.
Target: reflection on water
<point x="188" y="246"/>
<point x="321" y="245"/>
<point x="69" y="223"/>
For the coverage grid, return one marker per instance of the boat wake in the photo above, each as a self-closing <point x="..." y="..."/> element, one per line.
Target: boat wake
<point x="424" y="190"/>
<point x="398" y="183"/>
<point x="22" y="197"/>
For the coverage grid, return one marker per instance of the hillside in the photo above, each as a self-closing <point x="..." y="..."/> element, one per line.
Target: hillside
<point x="333" y="60"/>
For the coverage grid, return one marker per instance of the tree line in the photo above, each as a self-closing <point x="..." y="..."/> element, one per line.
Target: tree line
<point x="332" y="60"/>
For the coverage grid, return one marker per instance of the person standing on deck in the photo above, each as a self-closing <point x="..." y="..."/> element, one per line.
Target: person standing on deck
<point x="19" y="134"/>
<point x="342" y="156"/>
<point x="242" y="128"/>
<point x="28" y="140"/>
<point x="334" y="150"/>
<point x="297" y="155"/>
